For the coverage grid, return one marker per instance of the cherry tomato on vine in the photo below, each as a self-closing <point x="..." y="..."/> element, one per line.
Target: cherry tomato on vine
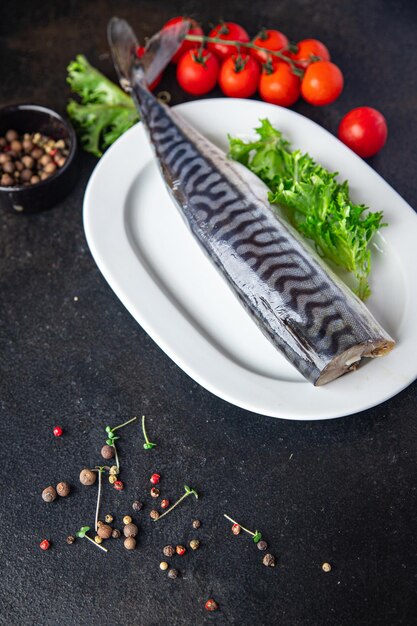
<point x="228" y="31"/>
<point x="364" y="130"/>
<point x="308" y="48"/>
<point x="239" y="76"/>
<point x="139" y="53"/>
<point x="271" y="40"/>
<point x="195" y="29"/>
<point x="279" y="85"/>
<point x="197" y="71"/>
<point x="322" y="83"/>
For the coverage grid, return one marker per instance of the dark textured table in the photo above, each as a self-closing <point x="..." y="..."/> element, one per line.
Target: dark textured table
<point x="342" y="491"/>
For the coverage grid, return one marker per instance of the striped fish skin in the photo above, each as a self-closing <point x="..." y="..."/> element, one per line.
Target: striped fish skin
<point x="300" y="305"/>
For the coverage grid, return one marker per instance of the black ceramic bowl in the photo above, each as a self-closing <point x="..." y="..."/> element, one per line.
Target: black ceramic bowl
<point x="30" y="118"/>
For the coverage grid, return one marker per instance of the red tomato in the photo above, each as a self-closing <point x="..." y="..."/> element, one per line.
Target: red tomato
<point x="364" y="130"/>
<point x="280" y="86"/>
<point x="197" y="71"/>
<point x="308" y="48"/>
<point x="139" y="53"/>
<point x="239" y="76"/>
<point x="227" y="31"/>
<point x="322" y="83"/>
<point x="271" y="40"/>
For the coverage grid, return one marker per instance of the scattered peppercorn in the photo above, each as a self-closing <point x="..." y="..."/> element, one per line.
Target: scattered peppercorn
<point x="164" y="503"/>
<point x="236" y="529"/>
<point x="114" y="470"/>
<point x="116" y="533"/>
<point x="262" y="545"/>
<point x="127" y="519"/>
<point x="104" y="531"/>
<point x="180" y="550"/>
<point x="57" y="430"/>
<point x="173" y="573"/>
<point x="98" y="539"/>
<point x="130" y="530"/>
<point x="163" y="565"/>
<point x="49" y="494"/>
<point x="194" y="544"/>
<point x="169" y="551"/>
<point x="155" y="478"/>
<point x="109" y="519"/>
<point x="63" y="488"/>
<point x="326" y="567"/>
<point x="44" y="545"/>
<point x="118" y="485"/>
<point x="70" y="539"/>
<point x="155" y="492"/>
<point x="154" y="514"/>
<point x="137" y="505"/>
<point x="196" y="523"/>
<point x="211" y="605"/>
<point x="269" y="560"/>
<point x="107" y="452"/>
<point x="130" y="543"/>
<point x="88" y="477"/>
<point x="112" y="479"/>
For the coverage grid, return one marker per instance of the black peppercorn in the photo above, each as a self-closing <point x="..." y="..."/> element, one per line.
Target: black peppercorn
<point x="169" y="551"/>
<point x="196" y="523"/>
<point x="262" y="545"/>
<point x="137" y="505"/>
<point x="116" y="533"/>
<point x="173" y="573"/>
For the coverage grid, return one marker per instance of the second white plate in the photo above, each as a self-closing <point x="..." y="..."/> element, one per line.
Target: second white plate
<point x="150" y="259"/>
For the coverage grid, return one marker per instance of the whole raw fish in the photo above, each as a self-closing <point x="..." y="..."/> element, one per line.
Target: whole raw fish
<point x="303" y="308"/>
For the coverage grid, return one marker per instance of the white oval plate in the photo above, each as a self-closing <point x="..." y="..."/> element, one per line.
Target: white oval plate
<point x="152" y="262"/>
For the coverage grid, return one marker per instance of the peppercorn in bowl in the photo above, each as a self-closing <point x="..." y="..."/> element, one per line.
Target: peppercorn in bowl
<point x="37" y="158"/>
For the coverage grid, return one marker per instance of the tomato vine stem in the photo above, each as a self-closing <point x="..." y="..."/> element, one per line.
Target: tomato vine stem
<point x="246" y="44"/>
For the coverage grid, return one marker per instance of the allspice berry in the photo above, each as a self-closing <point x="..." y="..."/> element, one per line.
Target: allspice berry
<point x="104" y="531"/>
<point x="63" y="489"/>
<point x="130" y="543"/>
<point x="49" y="494"/>
<point x="194" y="544"/>
<point x="88" y="477"/>
<point x="130" y="530"/>
<point x="169" y="551"/>
<point x="269" y="560"/>
<point x="107" y="452"/>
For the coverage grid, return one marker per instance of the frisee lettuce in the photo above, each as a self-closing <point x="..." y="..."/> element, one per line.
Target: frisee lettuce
<point x="104" y="111"/>
<point x="316" y="204"/>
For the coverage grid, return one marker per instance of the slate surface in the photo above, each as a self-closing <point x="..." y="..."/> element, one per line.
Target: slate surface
<point x="342" y="491"/>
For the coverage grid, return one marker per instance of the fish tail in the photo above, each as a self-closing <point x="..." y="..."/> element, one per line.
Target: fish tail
<point x="158" y="51"/>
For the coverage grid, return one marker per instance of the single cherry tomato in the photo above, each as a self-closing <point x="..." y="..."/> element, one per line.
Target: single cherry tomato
<point x="197" y="72"/>
<point x="279" y="85"/>
<point x="322" y="83"/>
<point x="227" y="31"/>
<point x="271" y="40"/>
<point x="195" y="29"/>
<point x="308" y="48"/>
<point x="364" y="130"/>
<point x="239" y="76"/>
<point x="139" y="53"/>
